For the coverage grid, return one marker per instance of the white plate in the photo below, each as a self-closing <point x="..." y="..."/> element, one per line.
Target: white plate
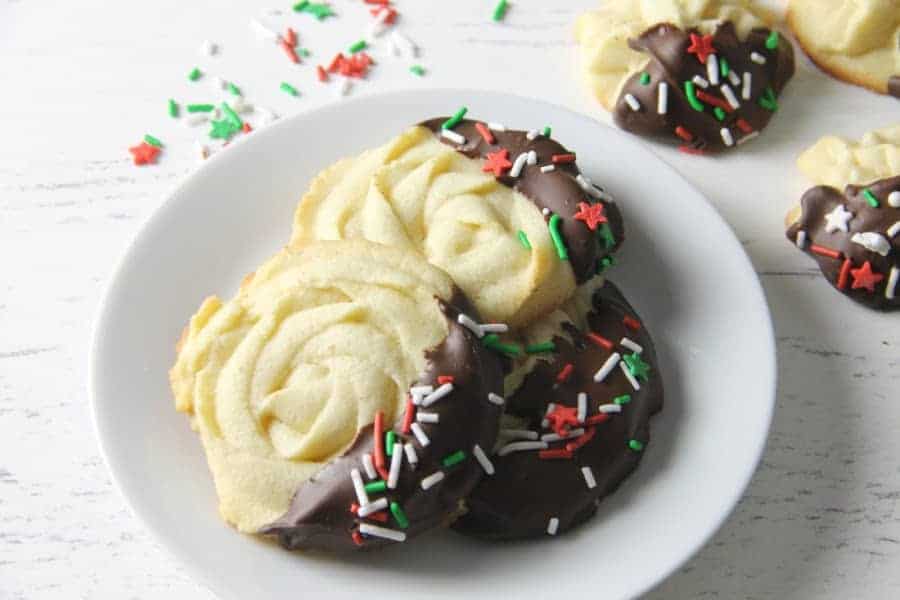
<point x="681" y="267"/>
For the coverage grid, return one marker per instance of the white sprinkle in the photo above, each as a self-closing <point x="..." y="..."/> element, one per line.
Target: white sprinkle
<point x="405" y="44"/>
<point x="532" y="157"/>
<point x="632" y="102"/>
<point x="379" y="25"/>
<point x="453" y="136"/>
<point x="631" y="345"/>
<point x="748" y="82"/>
<point x="372" y="507"/>
<point x="548" y="168"/>
<point x="362" y="498"/>
<point x="519" y="434"/>
<point x="382" y="532"/>
<point x="700" y="81"/>
<point x="589" y="477"/>
<point x="801" y="239"/>
<point x="893" y="199"/>
<point x="550" y="408"/>
<point x="518" y="165"/>
<point x="209" y="48"/>
<point x="369" y="466"/>
<point x="734" y="78"/>
<point x="196" y="119"/>
<point x="496" y="126"/>
<point x="588" y="186"/>
<point x="758" y="58"/>
<point x="532" y="134"/>
<point x="555" y="437"/>
<point x="420" y="434"/>
<point x="609" y="408"/>
<point x="545" y="423"/>
<point x="552" y="526"/>
<point x="894" y="229"/>
<point x="872" y="241"/>
<point x="411" y="457"/>
<point x="631" y="379"/>
<point x="545" y="211"/>
<point x="494" y="327"/>
<point x="431" y="480"/>
<point x="201" y="149"/>
<point x="712" y="69"/>
<point x="345" y="87"/>
<point x="240" y="105"/>
<point x="892" y="283"/>
<point x="520" y="446"/>
<point x="607" y="367"/>
<point x="421" y="390"/>
<point x="467" y="322"/>
<point x="729" y="95"/>
<point x="483" y="460"/>
<point x="264" y="32"/>
<point x="726" y="135"/>
<point x="496" y="399"/>
<point x="437" y="394"/>
<point x="747" y="137"/>
<point x="582" y="407"/>
<point x="427" y="417"/>
<point x="662" y="98"/>
<point x="396" y="463"/>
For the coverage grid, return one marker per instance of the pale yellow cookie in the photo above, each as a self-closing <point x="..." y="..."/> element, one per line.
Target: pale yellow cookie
<point x="603" y="34"/>
<point x="838" y="162"/>
<point x="279" y="380"/>
<point x="857" y="41"/>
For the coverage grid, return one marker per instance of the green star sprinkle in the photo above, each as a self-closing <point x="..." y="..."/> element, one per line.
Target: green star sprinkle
<point x="223" y="129"/>
<point x="636" y="366"/>
<point x="772" y="40"/>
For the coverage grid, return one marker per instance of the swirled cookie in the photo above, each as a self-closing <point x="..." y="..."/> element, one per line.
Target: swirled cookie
<point x="578" y="421"/>
<point x="857" y="41"/>
<point x="836" y="161"/>
<point x="705" y="73"/>
<point x="507" y="214"/>
<point x="298" y="388"/>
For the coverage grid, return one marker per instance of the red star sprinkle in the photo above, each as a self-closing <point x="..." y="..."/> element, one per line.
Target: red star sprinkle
<point x="701" y="46"/>
<point x="144" y="153"/>
<point x="863" y="277"/>
<point x="497" y="162"/>
<point x="591" y="214"/>
<point x="561" y="418"/>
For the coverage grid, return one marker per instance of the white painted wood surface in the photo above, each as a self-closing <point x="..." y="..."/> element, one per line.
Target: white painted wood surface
<point x="82" y="81"/>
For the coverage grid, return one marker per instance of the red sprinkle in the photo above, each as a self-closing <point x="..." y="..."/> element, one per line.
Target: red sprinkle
<point x="565" y="373"/>
<point x="689" y="150"/>
<point x="381" y="2"/>
<point x="354" y="507"/>
<point x="378" y="432"/>
<point x="825" y="251"/>
<point x="485" y="133"/>
<point x="553" y="454"/>
<point x="322" y="75"/>
<point x="246" y="127"/>
<point x="335" y="62"/>
<point x="392" y="14"/>
<point x="714" y="100"/>
<point x="291" y="37"/>
<point x="558" y="159"/>
<point x="380" y="516"/>
<point x="631" y="323"/>
<point x="357" y="538"/>
<point x="289" y="50"/>
<point x="408" y="415"/>
<point x="844" y="274"/>
<point x="684" y="133"/>
<point x="744" y="126"/>
<point x="600" y="340"/>
<point x="442" y="379"/>
<point x="597" y="419"/>
<point x="581" y="440"/>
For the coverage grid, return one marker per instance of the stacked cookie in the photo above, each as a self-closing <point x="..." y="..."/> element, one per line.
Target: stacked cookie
<point x="435" y="346"/>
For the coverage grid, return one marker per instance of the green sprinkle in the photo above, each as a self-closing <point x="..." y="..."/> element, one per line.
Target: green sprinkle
<point x="399" y="515"/>
<point x="304" y="52"/>
<point x="546" y="131"/>
<point x="152" y="140"/>
<point x="636" y="445"/>
<point x="523" y="239"/>
<point x="623" y="399"/>
<point x="235" y="90"/>
<point x="417" y="70"/>
<point x="556" y="236"/>
<point x="605" y="263"/>
<point x="288" y="88"/>
<point x="768" y="100"/>
<point x="541" y="347"/>
<point x="231" y="115"/>
<point x="645" y="78"/>
<point x="720" y="114"/>
<point x="690" y="92"/>
<point x="455" y="119"/>
<point x="870" y="198"/>
<point x="772" y="40"/>
<point x="301" y="5"/>
<point x="195" y="74"/>
<point x="222" y="129"/>
<point x="195" y="108"/>
<point x="374" y="487"/>
<point x="358" y="46"/>
<point x="320" y="10"/>
<point x="492" y="341"/>
<point x="389" y="439"/>
<point x="173" y="109"/>
<point x="606" y="234"/>
<point x="723" y="66"/>
<point x="500" y="10"/>
<point x="636" y="366"/>
<point x="454" y="459"/>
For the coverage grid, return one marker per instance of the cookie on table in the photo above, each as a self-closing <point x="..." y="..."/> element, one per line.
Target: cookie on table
<point x="850" y="225"/>
<point x="300" y="389"/>
<point x="705" y="74"/>
<point x="507" y="214"/>
<point x="576" y="425"/>
<point x="857" y="41"/>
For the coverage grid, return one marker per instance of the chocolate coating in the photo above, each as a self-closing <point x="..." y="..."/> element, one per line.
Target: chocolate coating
<point x="320" y="516"/>
<point x="671" y="63"/>
<point x="558" y="191"/>
<point x="527" y="491"/>
<point x="819" y="201"/>
<point x="893" y="86"/>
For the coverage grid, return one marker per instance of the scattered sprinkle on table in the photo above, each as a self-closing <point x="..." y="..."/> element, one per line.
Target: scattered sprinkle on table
<point x="152" y="140"/>
<point x="173" y="109"/>
<point x="195" y="74"/>
<point x="289" y="89"/>
<point x="500" y="10"/>
<point x="417" y="70"/>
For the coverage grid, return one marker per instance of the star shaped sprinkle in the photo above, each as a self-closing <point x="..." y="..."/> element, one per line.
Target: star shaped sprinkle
<point x="223" y="129"/>
<point x="562" y="418"/>
<point x="591" y="214"/>
<point x="636" y="366"/>
<point x="702" y="46"/>
<point x="837" y="219"/>
<point x="863" y="277"/>
<point x="497" y="162"/>
<point x="144" y="153"/>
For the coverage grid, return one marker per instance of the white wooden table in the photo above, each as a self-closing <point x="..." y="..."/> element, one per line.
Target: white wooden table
<point x="82" y="81"/>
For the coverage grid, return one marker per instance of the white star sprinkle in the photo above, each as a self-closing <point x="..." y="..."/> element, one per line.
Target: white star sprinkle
<point x="838" y="219"/>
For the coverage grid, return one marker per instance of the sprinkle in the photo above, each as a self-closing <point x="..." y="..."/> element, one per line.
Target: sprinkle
<point x="288" y="88"/>
<point x="408" y="414"/>
<point x="588" y="186"/>
<point x="485" y="133"/>
<point x="872" y="241"/>
<point x="382" y="532"/>
<point x="420" y="434"/>
<point x="521" y="446"/>
<point x="719" y="113"/>
<point x="729" y="95"/>
<point x="376" y="487"/>
<point x="825" y="251"/>
<point x="623" y="399"/>
<point x="152" y="140"/>
<point x="636" y="445"/>
<point x="748" y="137"/>
<point x="565" y="373"/>
<point x="496" y="399"/>
<point x="195" y="74"/>
<point x="768" y="100"/>
<point x="498" y="127"/>
<point x="144" y="153"/>
<point x="358" y="46"/>
<point x="631" y="345"/>
<point x="389" y="438"/>
<point x="230" y="115"/>
<point x="483" y="460"/>
<point x="700" y="81"/>
<point x="645" y="78"/>
<point x="500" y="10"/>
<point x="494" y="327"/>
<point x="772" y="40"/>
<point x="173" y="108"/>
<point x="690" y="92"/>
<point x="201" y="150"/>
<point x="558" y="159"/>
<point x="540" y="347"/>
<point x="744" y="125"/>
<point x="631" y="379"/>
<point x="411" y="457"/>
<point x="870" y="198"/>
<point x="714" y="100"/>
<point x="196" y="119"/>
<point x="844" y="274"/>
<point x="712" y="69"/>
<point x="734" y="78"/>
<point x="264" y="32"/>
<point x="748" y="82"/>
<point x="396" y="463"/>
<point x="427" y="417"/>
<point x="399" y="515"/>
<point x="893" y="199"/>
<point x="800" y="239"/>
<point x="556" y="453"/>
<point x="582" y="439"/>
<point x="582" y="406"/>
<point x="195" y="108"/>
<point x="891" y="287"/>
<point x="632" y="102"/>
<point x="556" y="236"/>
<point x="552" y="526"/>
<point x="453" y="136"/>
<point x="607" y="367"/>
<point x="421" y="390"/>
<point x="555" y="437"/>
<point x="361" y="496"/>
<point x="550" y="408"/>
<point x="519" y="434"/>
<point x="453" y="459"/>
<point x="378" y="434"/>
<point x="532" y="157"/>
<point x="683" y="133"/>
<point x="290" y="51"/>
<point x="548" y="168"/>
<point x="372" y="507"/>
<point x="357" y="538"/>
<point x="493" y="342"/>
<point x="455" y="119"/>
<point x="724" y="69"/>
<point x="758" y="58"/>
<point x="437" y="394"/>
<point x="587" y="473"/>
<point x="662" y="98"/>
<point x="442" y="379"/>
<point x="894" y="229"/>
<point x="545" y="211"/>
<point x="467" y="322"/>
<point x="838" y="219"/>
<point x="431" y="480"/>
<point x="609" y="408"/>
<point x="597" y="419"/>
<point x="345" y="87"/>
<point x="600" y="340"/>
<point x="546" y="131"/>
<point x="417" y="70"/>
<point x="726" y="136"/>
<point x="518" y="165"/>
<point x="369" y="466"/>
<point x="404" y="44"/>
